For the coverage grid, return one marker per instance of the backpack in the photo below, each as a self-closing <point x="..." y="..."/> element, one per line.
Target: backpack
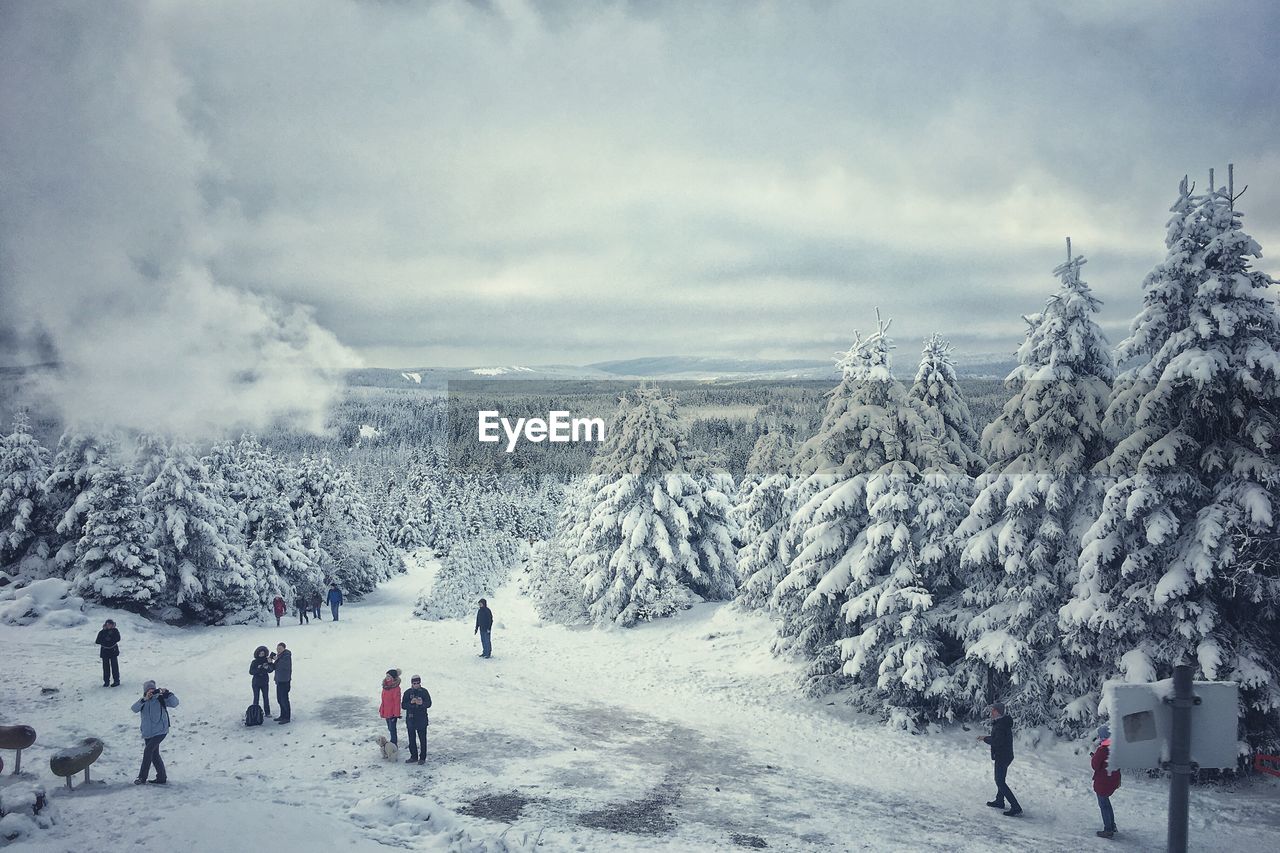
<point x="253" y="715"/>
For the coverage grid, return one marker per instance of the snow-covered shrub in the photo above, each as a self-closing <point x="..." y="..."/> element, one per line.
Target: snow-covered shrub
<point x="45" y="602"/>
<point x="474" y="569"/>
<point x="24" y="467"/>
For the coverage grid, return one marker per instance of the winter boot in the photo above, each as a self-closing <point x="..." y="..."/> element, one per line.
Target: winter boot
<point x="996" y="804"/>
<point x="1106" y="833"/>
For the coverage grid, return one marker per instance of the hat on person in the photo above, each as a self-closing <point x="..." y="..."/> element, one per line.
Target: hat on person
<point x="998" y="706"/>
<point x="1104" y="731"/>
<point x="417" y="679"/>
<point x="148" y="685"/>
<point x="393" y="673"/>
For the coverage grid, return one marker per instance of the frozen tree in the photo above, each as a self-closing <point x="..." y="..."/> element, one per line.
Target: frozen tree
<point x="556" y="590"/>
<point x="1021" y="539"/>
<point x="114" y="563"/>
<point x="869" y="423"/>
<point x="475" y="569"/>
<point x="1161" y="576"/>
<point x="762" y="518"/>
<point x="655" y="539"/>
<point x="938" y="388"/>
<point x="68" y="487"/>
<point x="256" y="482"/>
<point x="194" y="532"/>
<point x="24" y="468"/>
<point x="336" y="526"/>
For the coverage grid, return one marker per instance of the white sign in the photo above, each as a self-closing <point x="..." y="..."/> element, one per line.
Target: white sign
<point x="1142" y="722"/>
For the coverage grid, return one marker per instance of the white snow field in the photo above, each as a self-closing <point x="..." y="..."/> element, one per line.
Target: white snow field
<point x="679" y="735"/>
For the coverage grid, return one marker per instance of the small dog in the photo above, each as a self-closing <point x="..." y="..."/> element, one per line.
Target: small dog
<point x="389" y="750"/>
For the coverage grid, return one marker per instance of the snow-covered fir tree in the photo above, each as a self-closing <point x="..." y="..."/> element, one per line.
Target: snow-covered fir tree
<point x="68" y="487"/>
<point x="1162" y="577"/>
<point x="114" y="561"/>
<point x="869" y="423"/>
<point x="24" y="468"/>
<point x="938" y="387"/>
<point x="650" y="545"/>
<point x="763" y="518"/>
<point x="1021" y="539"/>
<point x="195" y="535"/>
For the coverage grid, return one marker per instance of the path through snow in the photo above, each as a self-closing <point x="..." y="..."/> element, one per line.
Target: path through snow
<point x="681" y="735"/>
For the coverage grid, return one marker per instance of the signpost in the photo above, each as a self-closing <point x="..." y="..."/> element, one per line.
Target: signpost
<point x="1177" y="724"/>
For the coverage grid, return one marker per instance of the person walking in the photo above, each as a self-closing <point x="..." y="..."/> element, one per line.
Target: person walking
<point x="415" y="703"/>
<point x="304" y="609"/>
<point x="284" y="678"/>
<point x="154" y="707"/>
<point x="1105" y="783"/>
<point x="109" y="650"/>
<point x="484" y="625"/>
<point x="316" y="601"/>
<point x="1001" y="741"/>
<point x="278" y="608"/>
<point x="389" y="709"/>
<point x="335" y="600"/>
<point x="261" y="667"/>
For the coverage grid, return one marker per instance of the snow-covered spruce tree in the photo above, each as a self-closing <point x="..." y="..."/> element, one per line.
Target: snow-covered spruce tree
<point x="1021" y="539"/>
<point x="763" y="518"/>
<point x="474" y="569"/>
<point x="336" y="524"/>
<point x="1162" y="578"/>
<point x="68" y="487"/>
<point x="24" y="467"/>
<point x="194" y="532"/>
<point x="937" y="387"/>
<point x="114" y="562"/>
<point x="869" y="423"/>
<point x="899" y="576"/>
<point x="650" y="546"/>
<point x="555" y="589"/>
<point x="255" y="481"/>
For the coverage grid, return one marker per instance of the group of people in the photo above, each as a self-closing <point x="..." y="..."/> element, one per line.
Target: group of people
<point x="414" y="702"/>
<point x="1105" y="781"/>
<point x="308" y="606"/>
<point x="261" y="668"/>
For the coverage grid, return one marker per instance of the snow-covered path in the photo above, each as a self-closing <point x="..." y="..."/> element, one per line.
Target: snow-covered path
<point x="681" y="735"/>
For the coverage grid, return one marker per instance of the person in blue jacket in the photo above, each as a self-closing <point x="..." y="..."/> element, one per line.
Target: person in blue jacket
<point x="335" y="600"/>
<point x="154" y="707"/>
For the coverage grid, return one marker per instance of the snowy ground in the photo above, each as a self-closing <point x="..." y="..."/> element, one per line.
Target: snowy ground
<point x="682" y="735"/>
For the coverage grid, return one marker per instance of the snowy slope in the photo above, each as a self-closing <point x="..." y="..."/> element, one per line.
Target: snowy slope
<point x="681" y="735"/>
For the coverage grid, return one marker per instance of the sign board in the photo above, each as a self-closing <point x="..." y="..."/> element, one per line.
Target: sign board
<point x="1142" y="722"/>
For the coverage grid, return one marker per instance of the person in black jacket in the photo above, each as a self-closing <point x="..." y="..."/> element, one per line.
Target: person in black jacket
<point x="109" y="648"/>
<point x="415" y="702"/>
<point x="261" y="667"/>
<point x="484" y="624"/>
<point x="1001" y="740"/>
<point x="284" y="678"/>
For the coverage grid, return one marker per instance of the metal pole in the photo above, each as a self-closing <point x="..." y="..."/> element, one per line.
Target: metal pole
<point x="1180" y="758"/>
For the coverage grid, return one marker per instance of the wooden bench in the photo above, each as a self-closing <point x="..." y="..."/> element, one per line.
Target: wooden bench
<point x="70" y="761"/>
<point x="17" y="738"/>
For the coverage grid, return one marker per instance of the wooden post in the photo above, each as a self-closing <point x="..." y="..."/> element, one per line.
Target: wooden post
<point x="17" y="764"/>
<point x="1068" y="250"/>
<point x="1210" y="179"/>
<point x="1231" y="185"/>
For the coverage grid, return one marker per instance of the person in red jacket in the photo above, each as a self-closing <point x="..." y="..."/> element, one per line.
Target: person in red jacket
<point x="277" y="607"/>
<point x="1105" y="783"/>
<point x="389" y="710"/>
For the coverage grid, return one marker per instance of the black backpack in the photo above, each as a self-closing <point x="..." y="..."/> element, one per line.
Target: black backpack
<point x="253" y="715"/>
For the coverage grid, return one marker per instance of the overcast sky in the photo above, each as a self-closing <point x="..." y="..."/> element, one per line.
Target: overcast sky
<point x="529" y="183"/>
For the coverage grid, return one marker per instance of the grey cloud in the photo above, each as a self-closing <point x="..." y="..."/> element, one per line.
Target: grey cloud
<point x="555" y="182"/>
